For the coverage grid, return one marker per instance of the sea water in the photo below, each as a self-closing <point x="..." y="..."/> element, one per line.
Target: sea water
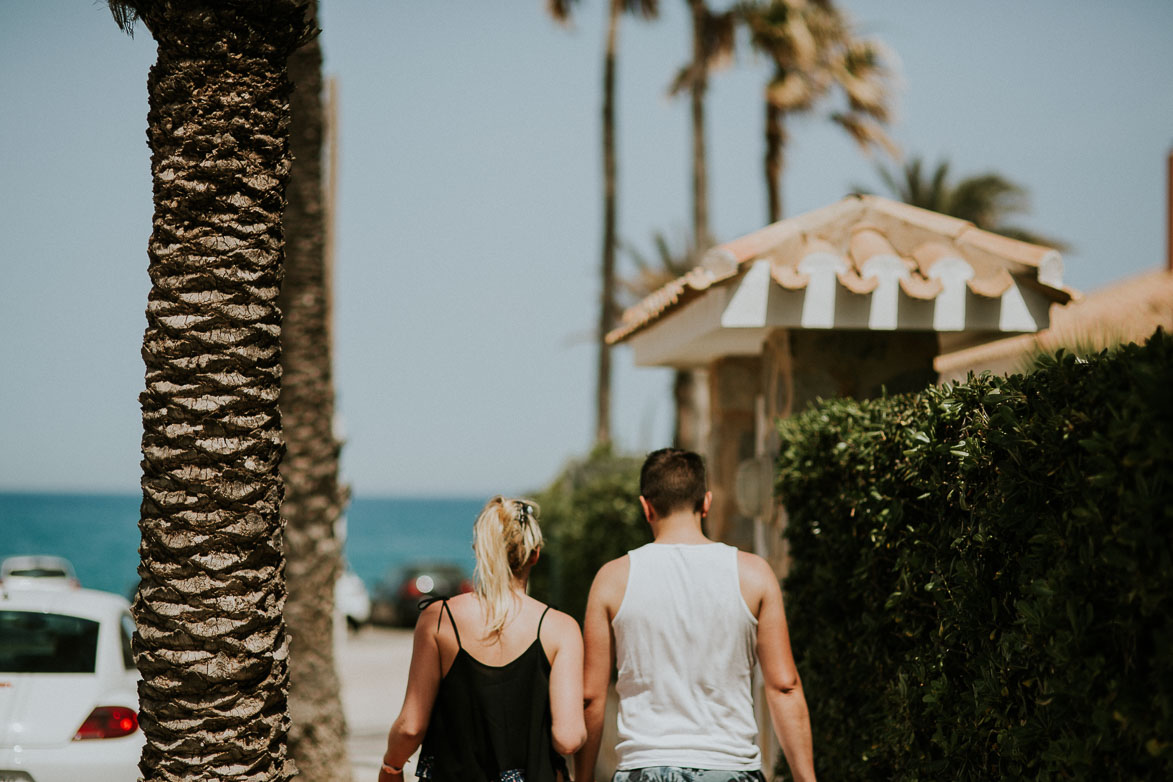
<point x="99" y="534"/>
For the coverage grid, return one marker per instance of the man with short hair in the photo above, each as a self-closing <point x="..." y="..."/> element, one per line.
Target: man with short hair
<point x="685" y="619"/>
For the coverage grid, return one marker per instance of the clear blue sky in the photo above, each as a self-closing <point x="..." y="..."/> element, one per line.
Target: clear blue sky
<point x="468" y="225"/>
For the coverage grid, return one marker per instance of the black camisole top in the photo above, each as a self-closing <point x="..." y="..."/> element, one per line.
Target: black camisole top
<point x="491" y="723"/>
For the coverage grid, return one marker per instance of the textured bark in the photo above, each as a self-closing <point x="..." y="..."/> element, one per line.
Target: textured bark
<point x="607" y="310"/>
<point x="775" y="142"/>
<point x="687" y="427"/>
<point x="313" y="497"/>
<point x="211" y="643"/>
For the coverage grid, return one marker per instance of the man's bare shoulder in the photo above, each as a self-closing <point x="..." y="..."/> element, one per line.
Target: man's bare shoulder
<point x="754" y="567"/>
<point x="611" y="581"/>
<point x="757" y="580"/>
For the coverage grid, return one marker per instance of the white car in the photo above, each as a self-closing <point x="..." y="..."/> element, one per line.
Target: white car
<point x="351" y="599"/>
<point x="68" y="687"/>
<point x="37" y="571"/>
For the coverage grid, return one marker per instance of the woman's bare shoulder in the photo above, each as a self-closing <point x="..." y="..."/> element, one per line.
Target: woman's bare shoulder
<point x="466" y="608"/>
<point x="429" y="618"/>
<point x="560" y="621"/>
<point x="560" y="629"/>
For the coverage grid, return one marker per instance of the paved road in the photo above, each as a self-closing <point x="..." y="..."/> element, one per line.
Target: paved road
<point x="373" y="663"/>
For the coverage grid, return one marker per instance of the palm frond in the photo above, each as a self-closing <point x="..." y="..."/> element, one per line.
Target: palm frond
<point x="790" y="92"/>
<point x="561" y="10"/>
<point x="125" y="13"/>
<point x="938" y="187"/>
<point x="641" y="262"/>
<point x="718" y="36"/>
<point x="987" y="199"/>
<point x="894" y="186"/>
<point x="685" y="77"/>
<point x="650" y="275"/>
<point x="814" y="50"/>
<point x="914" y="183"/>
<point x="779" y="30"/>
<point x="804" y="49"/>
<point x="826" y="23"/>
<point x="866" y="79"/>
<point x="866" y="132"/>
<point x="645" y="9"/>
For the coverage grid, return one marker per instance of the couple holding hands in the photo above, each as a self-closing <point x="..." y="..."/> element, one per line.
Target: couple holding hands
<point x="501" y="686"/>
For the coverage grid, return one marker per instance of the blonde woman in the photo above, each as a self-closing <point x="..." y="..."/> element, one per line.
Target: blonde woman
<point x="494" y="691"/>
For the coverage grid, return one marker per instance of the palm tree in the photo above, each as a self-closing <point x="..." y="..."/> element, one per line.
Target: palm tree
<point x="313" y="496"/>
<point x="647" y="9"/>
<point x="815" y="54"/>
<point x="211" y="642"/>
<point x="672" y="261"/>
<point x="712" y="47"/>
<point x="986" y="200"/>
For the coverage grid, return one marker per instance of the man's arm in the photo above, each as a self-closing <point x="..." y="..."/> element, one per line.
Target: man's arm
<point x="784" y="696"/>
<point x="599" y="658"/>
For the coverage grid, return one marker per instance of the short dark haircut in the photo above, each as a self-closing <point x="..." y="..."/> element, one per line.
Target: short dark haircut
<point x="673" y="479"/>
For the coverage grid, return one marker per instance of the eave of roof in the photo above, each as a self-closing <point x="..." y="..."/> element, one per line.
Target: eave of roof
<point x="858" y="234"/>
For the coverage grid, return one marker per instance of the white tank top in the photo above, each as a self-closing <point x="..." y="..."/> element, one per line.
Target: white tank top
<point x="685" y="648"/>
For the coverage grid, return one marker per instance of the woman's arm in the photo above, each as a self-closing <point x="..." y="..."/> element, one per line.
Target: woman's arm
<point x="568" y="729"/>
<point x="423" y="681"/>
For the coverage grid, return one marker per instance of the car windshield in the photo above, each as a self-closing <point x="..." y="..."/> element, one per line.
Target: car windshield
<point x="39" y="572"/>
<point x="34" y="642"/>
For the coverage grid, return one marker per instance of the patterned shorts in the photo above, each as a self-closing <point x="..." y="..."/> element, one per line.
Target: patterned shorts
<point x="675" y="774"/>
<point x="424" y="770"/>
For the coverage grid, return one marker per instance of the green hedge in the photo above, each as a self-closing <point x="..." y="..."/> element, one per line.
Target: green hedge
<point x="590" y="515"/>
<point x="982" y="576"/>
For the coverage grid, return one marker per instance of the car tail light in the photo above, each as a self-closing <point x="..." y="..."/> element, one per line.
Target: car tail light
<point x="411" y="590"/>
<point x="466" y="585"/>
<point x="108" y="722"/>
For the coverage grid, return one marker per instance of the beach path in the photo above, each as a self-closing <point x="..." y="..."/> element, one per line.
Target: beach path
<point x="372" y="664"/>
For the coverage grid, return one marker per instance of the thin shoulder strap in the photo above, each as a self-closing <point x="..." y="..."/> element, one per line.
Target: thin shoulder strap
<point x="453" y="621"/>
<point x="542" y="620"/>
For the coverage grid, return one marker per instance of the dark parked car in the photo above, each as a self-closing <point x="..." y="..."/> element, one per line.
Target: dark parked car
<point x="397" y="596"/>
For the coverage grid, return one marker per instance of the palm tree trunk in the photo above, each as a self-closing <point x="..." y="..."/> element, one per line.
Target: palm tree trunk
<point x="607" y="308"/>
<point x="700" y="199"/>
<point x="775" y="142"/>
<point x="211" y="643"/>
<point x="687" y="425"/>
<point x="313" y="496"/>
<point x="687" y="428"/>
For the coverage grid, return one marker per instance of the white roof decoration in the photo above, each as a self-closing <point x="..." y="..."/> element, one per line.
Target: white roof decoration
<point x="864" y="263"/>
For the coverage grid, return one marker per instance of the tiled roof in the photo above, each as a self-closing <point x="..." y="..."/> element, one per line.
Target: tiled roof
<point x="866" y="239"/>
<point x="1126" y="311"/>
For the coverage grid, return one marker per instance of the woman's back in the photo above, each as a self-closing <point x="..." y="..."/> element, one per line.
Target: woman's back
<point x="491" y="720"/>
<point x="515" y="637"/>
<point x="495" y="687"/>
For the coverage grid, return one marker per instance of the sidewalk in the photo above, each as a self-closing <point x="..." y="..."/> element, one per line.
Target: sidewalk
<point x="373" y="666"/>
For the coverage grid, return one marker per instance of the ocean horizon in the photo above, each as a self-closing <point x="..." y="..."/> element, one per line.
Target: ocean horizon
<point x="98" y="533"/>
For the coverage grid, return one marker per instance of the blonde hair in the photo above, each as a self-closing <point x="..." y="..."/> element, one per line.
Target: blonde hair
<point x="505" y="537"/>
